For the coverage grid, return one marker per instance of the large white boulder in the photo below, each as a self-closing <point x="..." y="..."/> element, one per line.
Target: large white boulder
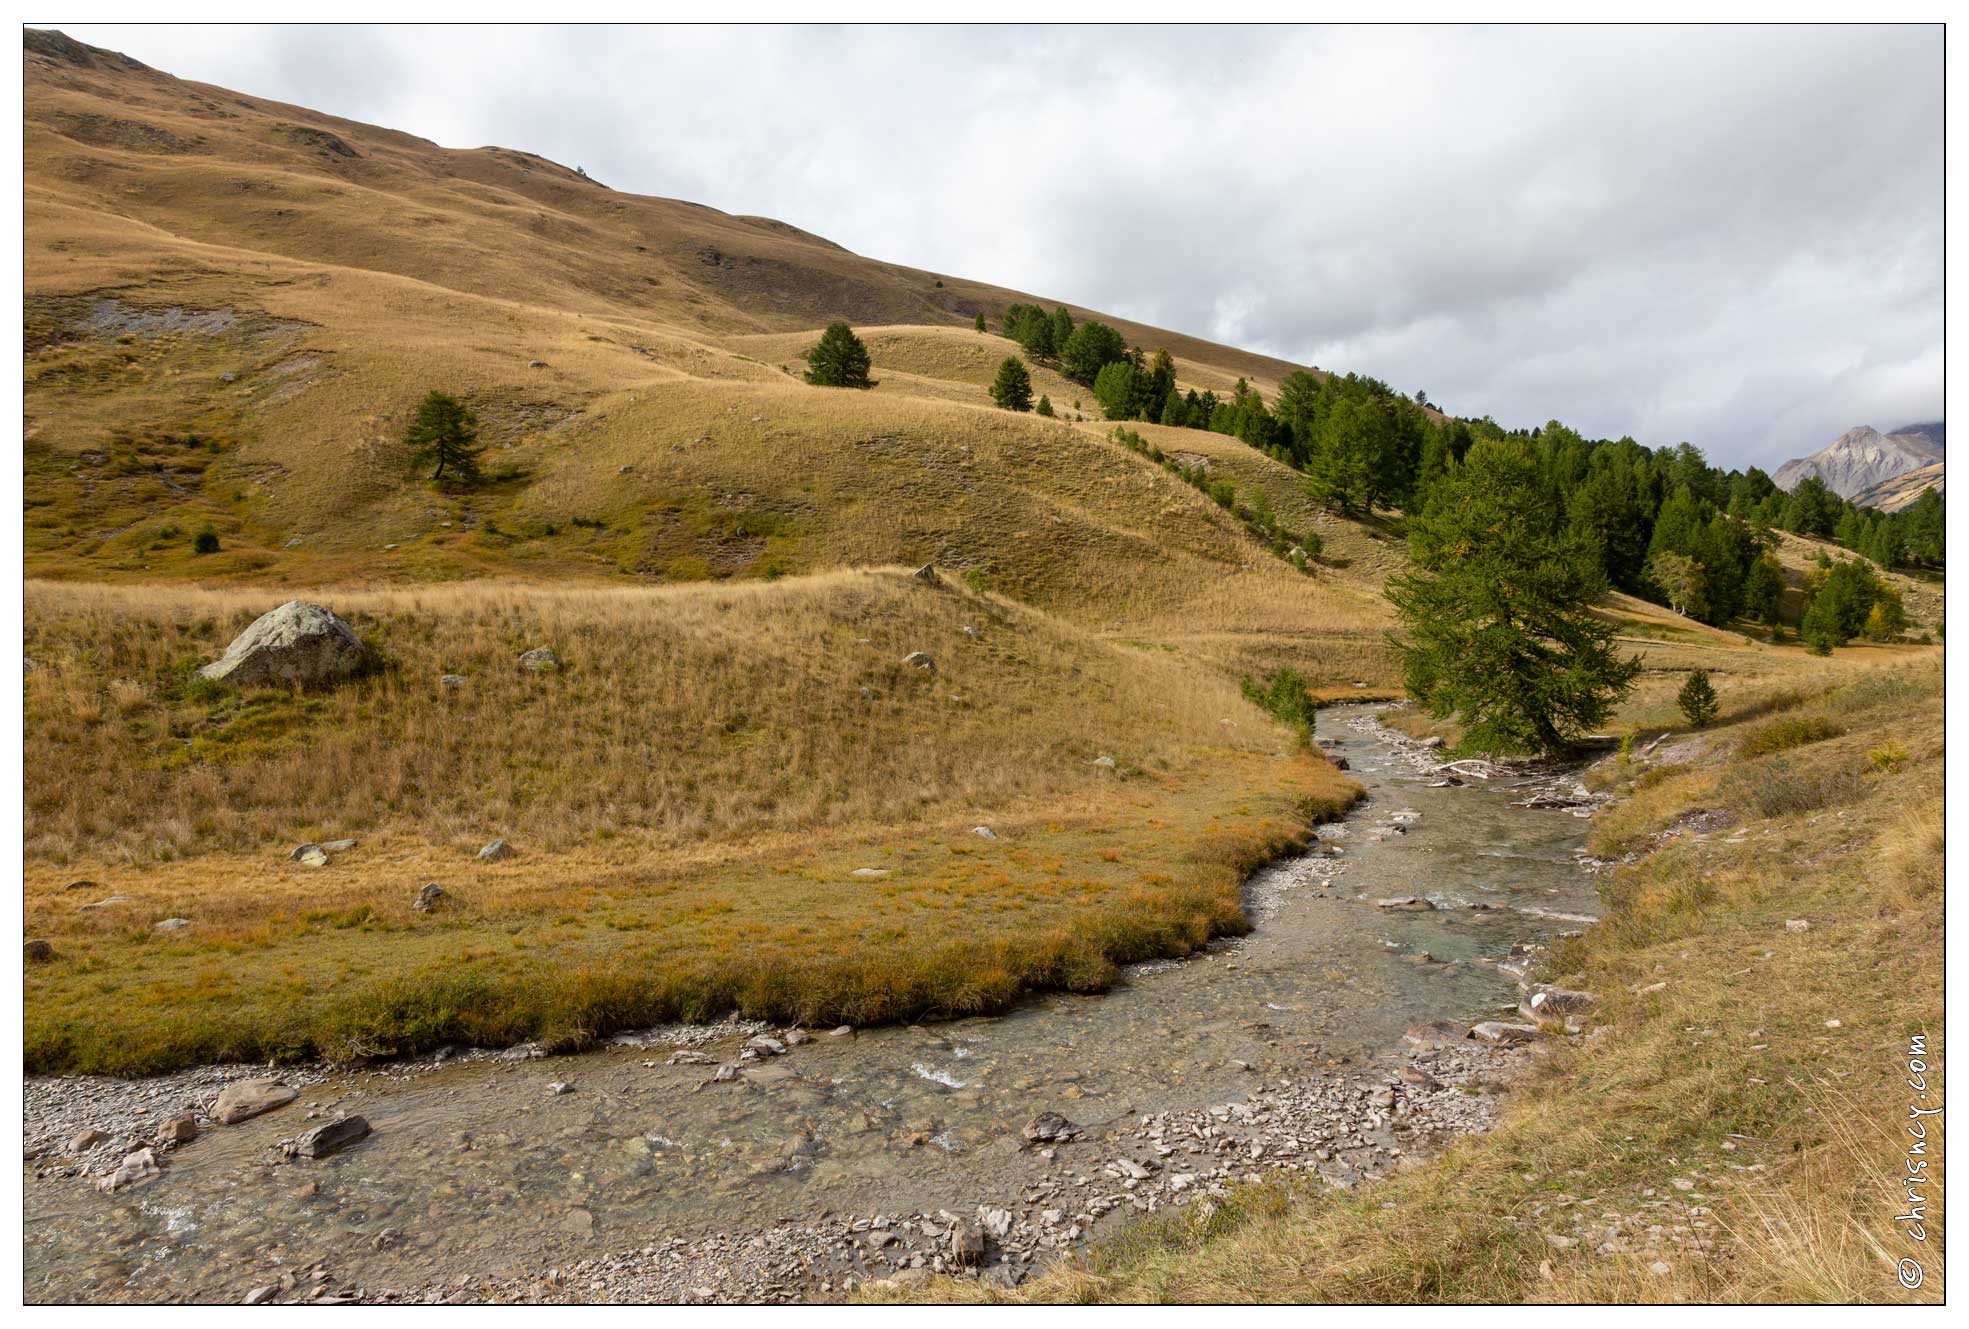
<point x="297" y="643"/>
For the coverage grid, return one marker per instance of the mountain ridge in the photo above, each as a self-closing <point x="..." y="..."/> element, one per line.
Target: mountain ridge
<point x="1862" y="458"/>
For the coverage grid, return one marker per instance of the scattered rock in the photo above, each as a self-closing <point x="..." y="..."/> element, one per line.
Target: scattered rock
<point x="87" y="1140"/>
<point x="764" y="1046"/>
<point x="1048" y="1127"/>
<point x="919" y="660"/>
<point x="1543" y="1001"/>
<point x="338" y="846"/>
<point x="451" y="682"/>
<point x="178" y="1130"/>
<point x="539" y="658"/>
<point x="869" y="872"/>
<point x="967" y="1245"/>
<point x="260" y="1295"/>
<point x="984" y="832"/>
<point x="1797" y="925"/>
<point x="244" y="1099"/>
<point x="842" y="1031"/>
<point x="297" y="643"/>
<point x="1499" y="1031"/>
<point x="1436" y="1034"/>
<point x="927" y="574"/>
<point x="170" y="924"/>
<point x="1421" y="1079"/>
<point x="795" y="1037"/>
<point x="995" y="1222"/>
<point x="328" y="1138"/>
<point x="134" y="1170"/>
<point x="1412" y="903"/>
<point x="433" y="896"/>
<point x="559" y="1087"/>
<point x="536" y="364"/>
<point x="82" y="885"/>
<point x="310" y="855"/>
<point x="108" y="903"/>
<point x="38" y="950"/>
<point x="496" y="852"/>
<point x="1432" y="742"/>
<point x="1106" y="763"/>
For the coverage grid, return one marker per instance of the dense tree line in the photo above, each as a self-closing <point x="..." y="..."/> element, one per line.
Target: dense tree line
<point x="1661" y="523"/>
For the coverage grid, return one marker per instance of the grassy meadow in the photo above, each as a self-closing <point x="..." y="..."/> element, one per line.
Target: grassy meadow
<point x="690" y="796"/>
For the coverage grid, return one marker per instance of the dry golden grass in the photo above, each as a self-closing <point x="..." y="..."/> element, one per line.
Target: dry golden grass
<point x="690" y="794"/>
<point x="1768" y="1067"/>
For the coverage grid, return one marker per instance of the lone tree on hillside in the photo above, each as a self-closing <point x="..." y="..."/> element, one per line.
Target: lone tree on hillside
<point x="1698" y="700"/>
<point x="980" y="323"/>
<point x="446" y="431"/>
<point x="1044" y="408"/>
<point x="839" y="360"/>
<point x="1497" y="618"/>
<point x="1012" y="389"/>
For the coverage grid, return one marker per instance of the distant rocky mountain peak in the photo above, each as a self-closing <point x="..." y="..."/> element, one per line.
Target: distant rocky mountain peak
<point x="1863" y="458"/>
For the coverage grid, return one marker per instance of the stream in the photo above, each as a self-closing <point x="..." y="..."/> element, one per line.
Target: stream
<point x="852" y="1157"/>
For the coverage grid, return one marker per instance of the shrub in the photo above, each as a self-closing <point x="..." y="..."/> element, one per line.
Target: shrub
<point x="1698" y="700"/>
<point x="1794" y="731"/>
<point x="1779" y="789"/>
<point x="1044" y="408"/>
<point x="1887" y="758"/>
<point x="1285" y="698"/>
<point x="207" y="542"/>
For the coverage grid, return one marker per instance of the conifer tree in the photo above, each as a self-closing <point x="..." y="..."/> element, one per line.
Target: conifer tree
<point x="980" y="323"/>
<point x="839" y="360"/>
<point x="1044" y="408"/>
<point x="445" y="431"/>
<point x="1698" y="700"/>
<point x="1012" y="389"/>
<point x="1497" y="618"/>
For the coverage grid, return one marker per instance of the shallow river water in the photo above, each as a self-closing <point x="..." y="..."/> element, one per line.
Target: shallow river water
<point x="480" y="1168"/>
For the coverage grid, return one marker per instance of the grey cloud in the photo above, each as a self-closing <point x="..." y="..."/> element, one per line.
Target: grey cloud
<point x="1731" y="235"/>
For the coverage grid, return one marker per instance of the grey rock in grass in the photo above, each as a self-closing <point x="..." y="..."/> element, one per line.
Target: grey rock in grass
<point x="432" y="897"/>
<point x="244" y="1099"/>
<point x="328" y="1138"/>
<point x="927" y="574"/>
<point x="919" y="660"/>
<point x="496" y="852"/>
<point x="108" y="903"/>
<point x="1105" y="763"/>
<point x="338" y="846"/>
<point x="1545" y="1001"/>
<point x="984" y="832"/>
<point x="170" y="924"/>
<point x="298" y="643"/>
<point x="967" y="1245"/>
<point x="37" y="950"/>
<point x="310" y="855"/>
<point x="540" y="658"/>
<point x="451" y="682"/>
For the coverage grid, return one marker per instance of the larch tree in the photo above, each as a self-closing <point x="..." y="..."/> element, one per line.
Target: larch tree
<point x="1497" y="616"/>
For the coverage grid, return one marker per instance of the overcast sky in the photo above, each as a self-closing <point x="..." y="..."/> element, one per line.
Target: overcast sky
<point x="1731" y="236"/>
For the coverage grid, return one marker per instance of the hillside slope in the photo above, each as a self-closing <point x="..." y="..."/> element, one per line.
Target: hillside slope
<point x="234" y="305"/>
<point x="1900" y="491"/>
